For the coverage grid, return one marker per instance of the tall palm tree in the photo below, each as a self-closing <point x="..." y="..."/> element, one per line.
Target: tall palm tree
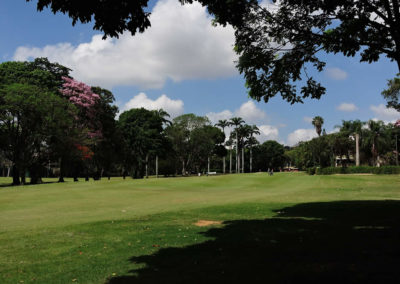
<point x="375" y="137"/>
<point x="162" y="114"/>
<point x="353" y="128"/>
<point x="223" y="123"/>
<point x="318" y="122"/>
<point x="253" y="130"/>
<point x="237" y="121"/>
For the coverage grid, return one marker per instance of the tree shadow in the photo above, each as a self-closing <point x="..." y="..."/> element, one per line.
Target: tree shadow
<point x="331" y="242"/>
<point x="26" y="184"/>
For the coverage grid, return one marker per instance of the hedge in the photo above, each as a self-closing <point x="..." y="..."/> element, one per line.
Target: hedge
<point x="354" y="170"/>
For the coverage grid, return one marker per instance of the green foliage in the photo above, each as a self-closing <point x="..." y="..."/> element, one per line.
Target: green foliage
<point x="357" y="170"/>
<point x="392" y="93"/>
<point x="143" y="135"/>
<point x="270" y="155"/>
<point x="274" y="59"/>
<point x="32" y="114"/>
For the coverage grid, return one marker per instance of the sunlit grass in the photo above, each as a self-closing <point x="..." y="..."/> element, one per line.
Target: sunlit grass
<point x="87" y="232"/>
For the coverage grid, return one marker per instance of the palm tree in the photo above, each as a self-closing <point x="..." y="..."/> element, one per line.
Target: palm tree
<point x="353" y="128"/>
<point x="375" y="138"/>
<point x="223" y="123"/>
<point x="237" y="121"/>
<point x="253" y="130"/>
<point x="318" y="122"/>
<point x="162" y="114"/>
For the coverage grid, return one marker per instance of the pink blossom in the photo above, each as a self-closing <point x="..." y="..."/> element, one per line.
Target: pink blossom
<point x="82" y="96"/>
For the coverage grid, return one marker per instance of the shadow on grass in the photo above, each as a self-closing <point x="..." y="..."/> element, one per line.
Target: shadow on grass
<point x="26" y="184"/>
<point x="332" y="242"/>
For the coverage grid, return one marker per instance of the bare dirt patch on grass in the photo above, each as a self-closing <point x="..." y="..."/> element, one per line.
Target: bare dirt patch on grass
<point x="204" y="223"/>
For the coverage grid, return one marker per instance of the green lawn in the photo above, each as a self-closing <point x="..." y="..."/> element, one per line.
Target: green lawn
<point x="289" y="227"/>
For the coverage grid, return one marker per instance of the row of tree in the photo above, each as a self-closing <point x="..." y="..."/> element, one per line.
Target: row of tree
<point x="369" y="143"/>
<point x="51" y="124"/>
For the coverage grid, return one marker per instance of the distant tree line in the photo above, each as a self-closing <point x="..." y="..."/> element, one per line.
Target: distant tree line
<point x="53" y="125"/>
<point x="372" y="143"/>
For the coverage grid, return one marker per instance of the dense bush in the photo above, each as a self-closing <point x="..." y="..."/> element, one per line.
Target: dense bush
<point x="311" y="171"/>
<point x="354" y="170"/>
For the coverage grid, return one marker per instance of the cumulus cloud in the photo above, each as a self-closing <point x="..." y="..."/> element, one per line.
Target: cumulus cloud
<point x="173" y="107"/>
<point x="383" y="113"/>
<point x="215" y="116"/>
<point x="301" y="135"/>
<point x="348" y="107"/>
<point x="336" y="73"/>
<point x="267" y="132"/>
<point x="181" y="44"/>
<point x="250" y="113"/>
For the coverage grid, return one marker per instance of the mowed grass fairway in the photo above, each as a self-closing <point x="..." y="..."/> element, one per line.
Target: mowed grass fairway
<point x="290" y="227"/>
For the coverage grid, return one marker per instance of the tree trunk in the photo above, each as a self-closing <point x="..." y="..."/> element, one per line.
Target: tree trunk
<point x="223" y="164"/>
<point x="243" y="160"/>
<point x="8" y="171"/>
<point x="237" y="153"/>
<point x="230" y="160"/>
<point x="23" y="178"/>
<point x="183" y="168"/>
<point x="251" y="159"/>
<point x="147" y="168"/>
<point x="157" y="166"/>
<point x="208" y="164"/>
<point x="357" y="149"/>
<point x="61" y="178"/>
<point x="15" y="174"/>
<point x="238" y="161"/>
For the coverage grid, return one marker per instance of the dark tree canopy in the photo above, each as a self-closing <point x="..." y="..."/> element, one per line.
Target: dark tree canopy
<point x="114" y="17"/>
<point x="275" y="46"/>
<point x="392" y="93"/>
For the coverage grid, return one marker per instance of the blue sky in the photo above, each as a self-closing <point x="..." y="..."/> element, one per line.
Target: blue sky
<point x="184" y="64"/>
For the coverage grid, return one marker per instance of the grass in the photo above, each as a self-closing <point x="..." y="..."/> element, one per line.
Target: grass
<point x="285" y="228"/>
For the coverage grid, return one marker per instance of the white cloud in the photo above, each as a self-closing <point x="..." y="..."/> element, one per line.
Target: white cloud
<point x="308" y="119"/>
<point x="250" y="113"/>
<point x="173" y="107"/>
<point x="267" y="132"/>
<point x="215" y="116"/>
<point x="384" y="113"/>
<point x="301" y="135"/>
<point x="336" y="73"/>
<point x="181" y="44"/>
<point x="349" y="107"/>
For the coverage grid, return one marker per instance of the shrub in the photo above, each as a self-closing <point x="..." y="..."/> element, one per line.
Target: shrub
<point x="358" y="170"/>
<point x="311" y="171"/>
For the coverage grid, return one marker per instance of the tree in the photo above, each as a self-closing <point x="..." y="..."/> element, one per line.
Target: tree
<point x="318" y="122"/>
<point x="30" y="129"/>
<point x="274" y="59"/>
<point x="252" y="141"/>
<point x="29" y="115"/>
<point x="353" y="129"/>
<point x="276" y="46"/>
<point x="142" y="132"/>
<point x="375" y="137"/>
<point x="237" y="121"/>
<point x="186" y="139"/>
<point x="223" y="124"/>
<point x="270" y="154"/>
<point x="107" y="150"/>
<point x="392" y="93"/>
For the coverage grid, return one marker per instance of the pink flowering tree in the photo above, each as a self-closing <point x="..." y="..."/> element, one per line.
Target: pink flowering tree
<point x="82" y="96"/>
